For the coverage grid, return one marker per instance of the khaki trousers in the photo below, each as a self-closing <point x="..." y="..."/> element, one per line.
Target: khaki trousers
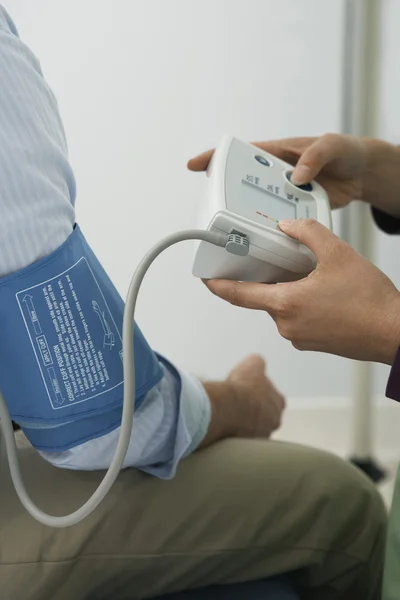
<point x="240" y="510"/>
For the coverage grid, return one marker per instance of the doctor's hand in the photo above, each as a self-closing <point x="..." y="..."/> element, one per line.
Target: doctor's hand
<point x="346" y="306"/>
<point x="348" y="168"/>
<point x="337" y="162"/>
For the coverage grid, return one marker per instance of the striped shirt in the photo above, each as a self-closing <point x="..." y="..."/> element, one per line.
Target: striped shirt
<point x="37" y="207"/>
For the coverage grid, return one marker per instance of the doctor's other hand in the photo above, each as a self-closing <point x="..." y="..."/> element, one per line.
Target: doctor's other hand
<point x="346" y="306"/>
<point x="348" y="167"/>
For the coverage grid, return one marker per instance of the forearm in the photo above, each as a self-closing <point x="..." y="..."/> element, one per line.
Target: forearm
<point x="381" y="186"/>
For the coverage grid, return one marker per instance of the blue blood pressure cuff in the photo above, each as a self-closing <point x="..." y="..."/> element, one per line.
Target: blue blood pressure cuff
<point x="61" y="370"/>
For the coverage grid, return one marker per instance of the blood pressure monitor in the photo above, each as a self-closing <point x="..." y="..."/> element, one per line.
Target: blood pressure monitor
<point x="249" y="192"/>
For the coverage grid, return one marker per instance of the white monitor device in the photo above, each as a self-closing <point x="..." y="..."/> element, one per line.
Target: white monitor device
<point x="249" y="192"/>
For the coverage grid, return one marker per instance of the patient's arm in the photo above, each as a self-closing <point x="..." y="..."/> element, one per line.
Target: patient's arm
<point x="37" y="201"/>
<point x="171" y="425"/>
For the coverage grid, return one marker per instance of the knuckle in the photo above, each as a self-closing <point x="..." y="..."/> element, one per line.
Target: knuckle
<point x="291" y="330"/>
<point x="321" y="144"/>
<point x="330" y="138"/>
<point x="306" y="228"/>
<point x="286" y="306"/>
<point x="285" y="329"/>
<point x="309" y="224"/>
<point x="298" y="343"/>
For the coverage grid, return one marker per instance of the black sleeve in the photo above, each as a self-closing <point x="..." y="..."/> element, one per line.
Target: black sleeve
<point x="388" y="224"/>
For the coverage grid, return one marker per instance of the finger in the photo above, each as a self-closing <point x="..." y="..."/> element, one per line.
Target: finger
<point x="200" y="162"/>
<point x="312" y="234"/>
<point x="257" y="296"/>
<point x="255" y="361"/>
<point x="288" y="149"/>
<point x="323" y="151"/>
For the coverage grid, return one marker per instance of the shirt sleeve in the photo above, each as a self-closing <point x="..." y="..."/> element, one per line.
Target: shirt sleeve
<point x="386" y="222"/>
<point x="168" y="426"/>
<point x="37" y="183"/>
<point x="390" y="225"/>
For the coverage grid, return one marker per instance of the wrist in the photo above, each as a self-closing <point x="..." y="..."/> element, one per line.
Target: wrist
<point x="381" y="179"/>
<point x="240" y="408"/>
<point x="226" y="411"/>
<point x="388" y="336"/>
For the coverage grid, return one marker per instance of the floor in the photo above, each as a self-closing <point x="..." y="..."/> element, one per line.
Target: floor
<point x="387" y="486"/>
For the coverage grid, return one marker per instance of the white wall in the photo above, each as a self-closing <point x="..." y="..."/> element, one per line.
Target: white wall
<point x="143" y="85"/>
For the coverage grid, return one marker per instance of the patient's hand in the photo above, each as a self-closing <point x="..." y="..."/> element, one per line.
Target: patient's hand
<point x="262" y="404"/>
<point x="246" y="404"/>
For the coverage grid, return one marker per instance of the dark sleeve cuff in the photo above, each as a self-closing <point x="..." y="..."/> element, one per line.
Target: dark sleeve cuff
<point x="393" y="386"/>
<point x="390" y="225"/>
<point x="385" y="222"/>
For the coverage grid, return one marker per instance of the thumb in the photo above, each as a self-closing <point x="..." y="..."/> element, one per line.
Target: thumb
<point x="256" y="296"/>
<point x="312" y="234"/>
<point x="323" y="151"/>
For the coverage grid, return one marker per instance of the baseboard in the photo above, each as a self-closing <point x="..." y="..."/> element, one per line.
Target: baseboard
<point x="328" y="423"/>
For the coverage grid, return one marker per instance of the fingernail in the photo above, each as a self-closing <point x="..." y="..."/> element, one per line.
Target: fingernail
<point x="286" y="222"/>
<point x="301" y="175"/>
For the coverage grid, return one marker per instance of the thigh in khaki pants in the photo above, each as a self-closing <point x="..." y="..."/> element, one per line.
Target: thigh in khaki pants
<point x="238" y="511"/>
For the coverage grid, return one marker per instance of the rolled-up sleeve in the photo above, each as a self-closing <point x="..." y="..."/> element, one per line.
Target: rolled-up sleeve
<point x="169" y="425"/>
<point x="385" y="222"/>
